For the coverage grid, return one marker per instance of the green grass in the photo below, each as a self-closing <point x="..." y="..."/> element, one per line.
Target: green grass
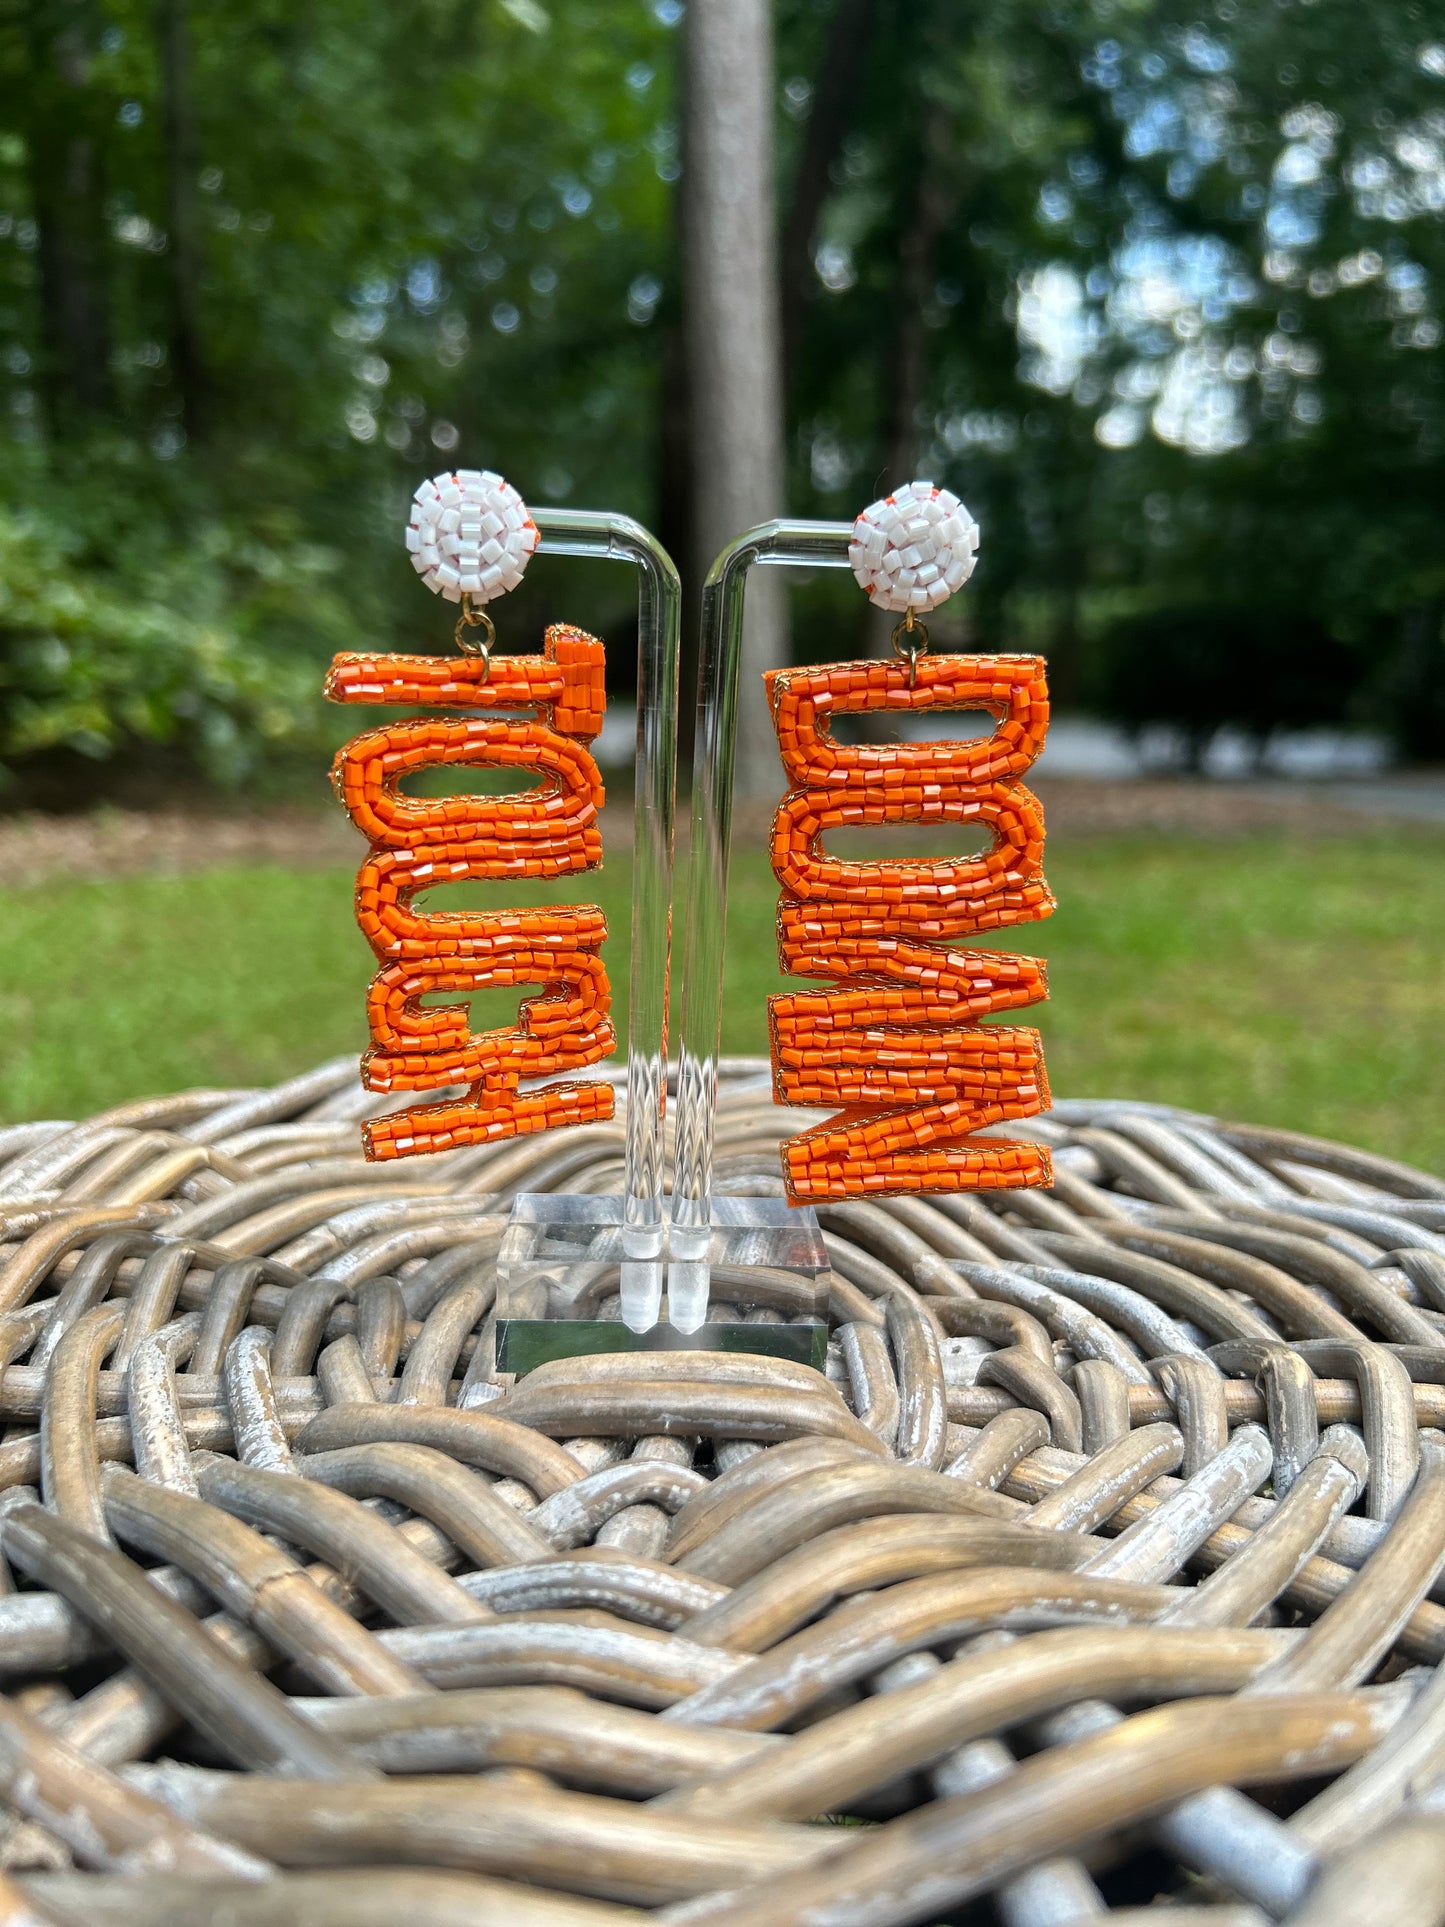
<point x="1290" y="981"/>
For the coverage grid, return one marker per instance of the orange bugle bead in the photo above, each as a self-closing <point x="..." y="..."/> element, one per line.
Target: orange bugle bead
<point x="898" y="1046"/>
<point x="418" y="843"/>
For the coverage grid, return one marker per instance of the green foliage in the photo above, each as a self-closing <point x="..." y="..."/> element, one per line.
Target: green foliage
<point x="1178" y="272"/>
<point x="415" y="235"/>
<point x="115" y="634"/>
<point x="1256" y="667"/>
<point x="1155" y="285"/>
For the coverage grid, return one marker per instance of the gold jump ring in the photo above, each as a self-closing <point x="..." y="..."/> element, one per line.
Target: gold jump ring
<point x="910" y="641"/>
<point x="474" y="616"/>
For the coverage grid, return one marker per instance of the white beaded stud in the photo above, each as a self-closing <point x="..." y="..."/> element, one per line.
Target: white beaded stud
<point x="914" y="548"/>
<point x="470" y="535"/>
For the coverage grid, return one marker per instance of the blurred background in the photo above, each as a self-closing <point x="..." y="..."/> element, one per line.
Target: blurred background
<point x="1155" y="287"/>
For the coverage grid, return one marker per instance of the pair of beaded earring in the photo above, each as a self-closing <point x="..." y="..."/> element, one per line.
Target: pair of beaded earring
<point x="897" y="1045"/>
<point x="470" y="538"/>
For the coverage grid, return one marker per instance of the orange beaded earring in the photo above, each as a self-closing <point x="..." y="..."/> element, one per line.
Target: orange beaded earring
<point x="898" y="1045"/>
<point x="470" y="538"/>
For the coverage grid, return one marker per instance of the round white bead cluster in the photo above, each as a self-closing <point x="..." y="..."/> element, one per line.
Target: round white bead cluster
<point x="470" y="534"/>
<point x="914" y="548"/>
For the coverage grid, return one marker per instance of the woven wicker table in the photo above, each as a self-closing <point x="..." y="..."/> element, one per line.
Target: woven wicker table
<point x="1100" y="1576"/>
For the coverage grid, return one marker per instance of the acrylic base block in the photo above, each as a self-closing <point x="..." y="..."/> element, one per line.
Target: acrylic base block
<point x="573" y="1278"/>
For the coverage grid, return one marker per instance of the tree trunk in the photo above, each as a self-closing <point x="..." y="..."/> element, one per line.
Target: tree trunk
<point x="676" y="519"/>
<point x="182" y="215"/>
<point x="67" y="198"/>
<point x="835" y="100"/>
<point x="734" y="336"/>
<point x="908" y="358"/>
<point x="917" y="271"/>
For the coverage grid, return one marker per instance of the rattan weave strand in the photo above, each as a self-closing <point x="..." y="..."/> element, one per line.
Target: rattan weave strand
<point x="1101" y="1577"/>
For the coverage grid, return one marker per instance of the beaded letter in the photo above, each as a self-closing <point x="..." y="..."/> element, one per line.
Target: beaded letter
<point x="418" y="843"/>
<point x="898" y="1046"/>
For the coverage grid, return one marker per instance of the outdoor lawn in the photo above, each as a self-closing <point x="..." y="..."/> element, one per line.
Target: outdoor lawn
<point x="1287" y="979"/>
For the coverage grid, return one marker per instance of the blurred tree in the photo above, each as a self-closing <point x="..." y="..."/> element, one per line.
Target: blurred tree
<point x="1155" y="285"/>
<point x="65" y="161"/>
<point x="1200" y="669"/>
<point x="1174" y="328"/>
<point x="259" y="273"/>
<point x="733" y="329"/>
<point x="183" y="225"/>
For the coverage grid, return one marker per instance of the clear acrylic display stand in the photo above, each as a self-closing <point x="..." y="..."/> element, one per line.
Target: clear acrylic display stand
<point x="580" y="1274"/>
<point x="709" y="1234"/>
<point x="564" y="1263"/>
<point x="548" y="1263"/>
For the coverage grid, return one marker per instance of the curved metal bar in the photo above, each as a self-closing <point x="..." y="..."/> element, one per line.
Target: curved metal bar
<point x="784" y="544"/>
<point x="617" y="538"/>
